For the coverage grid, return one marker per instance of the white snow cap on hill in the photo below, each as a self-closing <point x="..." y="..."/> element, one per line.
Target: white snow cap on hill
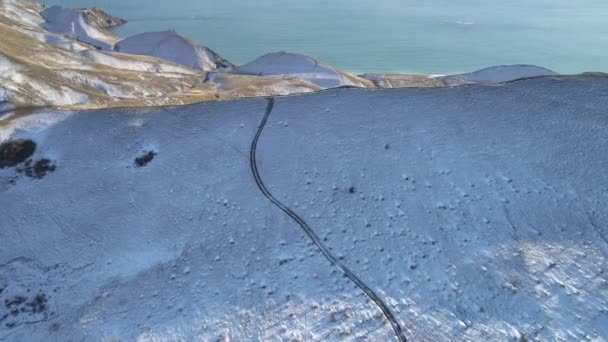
<point x="72" y="23"/>
<point x="171" y="46"/>
<point x="499" y="74"/>
<point x="301" y="66"/>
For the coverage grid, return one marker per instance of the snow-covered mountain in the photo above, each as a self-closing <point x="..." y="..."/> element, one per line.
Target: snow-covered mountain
<point x="498" y="74"/>
<point x="475" y="213"/>
<point x="492" y="75"/>
<point x="171" y="46"/>
<point x="44" y="65"/>
<point x="73" y="23"/>
<point x="302" y="67"/>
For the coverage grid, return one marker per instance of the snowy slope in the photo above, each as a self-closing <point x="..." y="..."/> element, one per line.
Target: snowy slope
<point x="302" y="67"/>
<point x="57" y="40"/>
<point x="72" y="23"/>
<point x="498" y="74"/>
<point x="171" y="46"/>
<point x="476" y="213"/>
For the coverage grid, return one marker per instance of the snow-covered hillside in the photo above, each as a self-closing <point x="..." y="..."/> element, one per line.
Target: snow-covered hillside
<point x="73" y="23"/>
<point x="45" y="66"/>
<point x="171" y="46"/>
<point x="476" y="213"/>
<point x="301" y="67"/>
<point x="498" y="74"/>
<point x="491" y="75"/>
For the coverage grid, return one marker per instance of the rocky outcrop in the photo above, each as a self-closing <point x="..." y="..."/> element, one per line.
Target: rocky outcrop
<point x="101" y="19"/>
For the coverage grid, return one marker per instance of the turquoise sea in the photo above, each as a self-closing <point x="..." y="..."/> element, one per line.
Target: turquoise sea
<point x="414" y="36"/>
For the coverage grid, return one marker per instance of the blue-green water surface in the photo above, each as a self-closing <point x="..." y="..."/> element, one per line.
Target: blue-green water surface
<point x="413" y="36"/>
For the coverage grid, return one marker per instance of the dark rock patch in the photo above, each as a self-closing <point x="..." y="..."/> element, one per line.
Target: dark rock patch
<point x="20" y="309"/>
<point x="145" y="159"/>
<point x="14" y="152"/>
<point x="101" y="19"/>
<point x="43" y="167"/>
<point x="37" y="170"/>
<point x="352" y="190"/>
<point x="37" y="304"/>
<point x="14" y="301"/>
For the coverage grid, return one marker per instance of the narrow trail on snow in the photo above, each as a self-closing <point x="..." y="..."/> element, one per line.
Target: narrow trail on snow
<point x="311" y="233"/>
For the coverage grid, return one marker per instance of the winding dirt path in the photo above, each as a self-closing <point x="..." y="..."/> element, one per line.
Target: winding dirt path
<point x="311" y="233"/>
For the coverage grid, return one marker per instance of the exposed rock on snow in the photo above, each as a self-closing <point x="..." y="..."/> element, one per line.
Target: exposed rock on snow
<point x="14" y="152"/>
<point x="498" y="74"/>
<point x="101" y="19"/>
<point x="74" y="23"/>
<point x="171" y="46"/>
<point x="301" y="67"/>
<point x="480" y="222"/>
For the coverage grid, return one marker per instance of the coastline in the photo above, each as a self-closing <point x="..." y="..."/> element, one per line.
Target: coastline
<point x="91" y="68"/>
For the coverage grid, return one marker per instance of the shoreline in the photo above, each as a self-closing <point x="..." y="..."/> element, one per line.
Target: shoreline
<point x="93" y="68"/>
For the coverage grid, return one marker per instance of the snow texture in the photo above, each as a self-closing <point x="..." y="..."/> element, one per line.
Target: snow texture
<point x="120" y="61"/>
<point x="171" y="46"/>
<point x="300" y="66"/>
<point x="72" y="23"/>
<point x="92" y="81"/>
<point x="14" y="81"/>
<point x="57" y="40"/>
<point x="477" y="213"/>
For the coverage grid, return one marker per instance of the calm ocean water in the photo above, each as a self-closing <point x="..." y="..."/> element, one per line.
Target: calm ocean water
<point x="417" y="36"/>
